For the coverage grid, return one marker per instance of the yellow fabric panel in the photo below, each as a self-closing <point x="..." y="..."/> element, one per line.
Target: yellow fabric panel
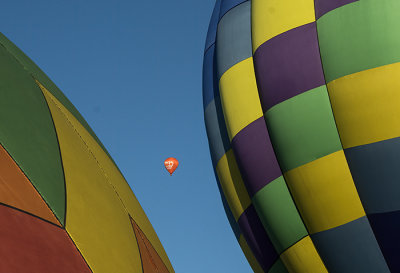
<point x="111" y="179"/>
<point x="302" y="257"/>
<point x="239" y="96"/>
<point x="95" y="217"/>
<point x="325" y="193"/>
<point x="272" y="17"/>
<point x="366" y="105"/>
<point x="249" y="255"/>
<point x="232" y="184"/>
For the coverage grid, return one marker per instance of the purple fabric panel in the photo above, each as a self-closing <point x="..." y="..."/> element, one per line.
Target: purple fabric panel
<point x="288" y="64"/>
<point x="255" y="156"/>
<point x="325" y="6"/>
<point x="257" y="239"/>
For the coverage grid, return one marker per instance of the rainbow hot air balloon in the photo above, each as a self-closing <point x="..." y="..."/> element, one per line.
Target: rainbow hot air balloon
<point x="302" y="111"/>
<point x="64" y="205"/>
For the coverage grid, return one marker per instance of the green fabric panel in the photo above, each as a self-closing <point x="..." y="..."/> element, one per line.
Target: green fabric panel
<point x="279" y="215"/>
<point x="27" y="132"/>
<point x="33" y="69"/>
<point x="278" y="267"/>
<point x="359" y="36"/>
<point x="302" y="128"/>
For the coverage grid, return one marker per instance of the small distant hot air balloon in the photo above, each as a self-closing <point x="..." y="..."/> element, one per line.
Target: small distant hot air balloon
<point x="171" y="164"/>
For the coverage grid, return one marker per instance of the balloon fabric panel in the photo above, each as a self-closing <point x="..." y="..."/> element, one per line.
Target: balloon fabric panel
<point x="271" y="18"/>
<point x="376" y="174"/>
<point x="279" y="215"/>
<point x="257" y="239"/>
<point x="151" y="261"/>
<point x="29" y="244"/>
<point x="302" y="257"/>
<point x="303" y="129"/>
<point x="325" y="6"/>
<point x="38" y="74"/>
<point x="212" y="27"/>
<point x="231" y="219"/>
<point x="365" y="105"/>
<point x="359" y="36"/>
<point x="227" y="5"/>
<point x="249" y="255"/>
<point x="278" y="267"/>
<point x="324" y="192"/>
<point x="231" y="50"/>
<point x="240" y="108"/>
<point x="232" y="184"/>
<point x="94" y="211"/>
<point x="350" y="248"/>
<point x="217" y="135"/>
<point x="210" y="83"/>
<point x="386" y="228"/>
<point x="17" y="191"/>
<point x="255" y="156"/>
<point x="28" y="134"/>
<point x="287" y="65"/>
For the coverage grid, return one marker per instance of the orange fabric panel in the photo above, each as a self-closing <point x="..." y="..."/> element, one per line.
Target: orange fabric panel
<point x="151" y="261"/>
<point x="17" y="191"/>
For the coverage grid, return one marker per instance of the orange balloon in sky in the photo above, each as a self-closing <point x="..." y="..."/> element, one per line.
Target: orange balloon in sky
<point x="171" y="164"/>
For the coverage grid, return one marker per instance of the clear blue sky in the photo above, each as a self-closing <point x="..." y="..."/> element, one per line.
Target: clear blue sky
<point x="133" y="69"/>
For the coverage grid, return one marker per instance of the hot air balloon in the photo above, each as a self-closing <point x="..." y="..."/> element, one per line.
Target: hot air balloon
<point x="171" y="164"/>
<point x="64" y="205"/>
<point x="302" y="112"/>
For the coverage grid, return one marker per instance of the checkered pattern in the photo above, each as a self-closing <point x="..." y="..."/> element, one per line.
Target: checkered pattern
<point x="302" y="111"/>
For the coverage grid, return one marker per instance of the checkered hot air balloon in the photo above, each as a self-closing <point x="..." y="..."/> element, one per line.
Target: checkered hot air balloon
<point x="302" y="111"/>
<point x="64" y="205"/>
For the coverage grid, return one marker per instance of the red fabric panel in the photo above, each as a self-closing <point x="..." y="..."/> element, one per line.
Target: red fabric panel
<point x="151" y="261"/>
<point x="29" y="244"/>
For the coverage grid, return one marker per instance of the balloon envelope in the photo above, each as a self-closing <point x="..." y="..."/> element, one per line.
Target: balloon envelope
<point x="171" y="164"/>
<point x="302" y="106"/>
<point x="60" y="191"/>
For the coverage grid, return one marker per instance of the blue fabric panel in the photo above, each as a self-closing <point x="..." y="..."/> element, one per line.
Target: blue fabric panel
<point x="234" y="38"/>
<point x="386" y="227"/>
<point x="212" y="28"/>
<point x="216" y="130"/>
<point x="376" y="172"/>
<point x="210" y="81"/>
<point x="227" y="5"/>
<point x="350" y="248"/>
